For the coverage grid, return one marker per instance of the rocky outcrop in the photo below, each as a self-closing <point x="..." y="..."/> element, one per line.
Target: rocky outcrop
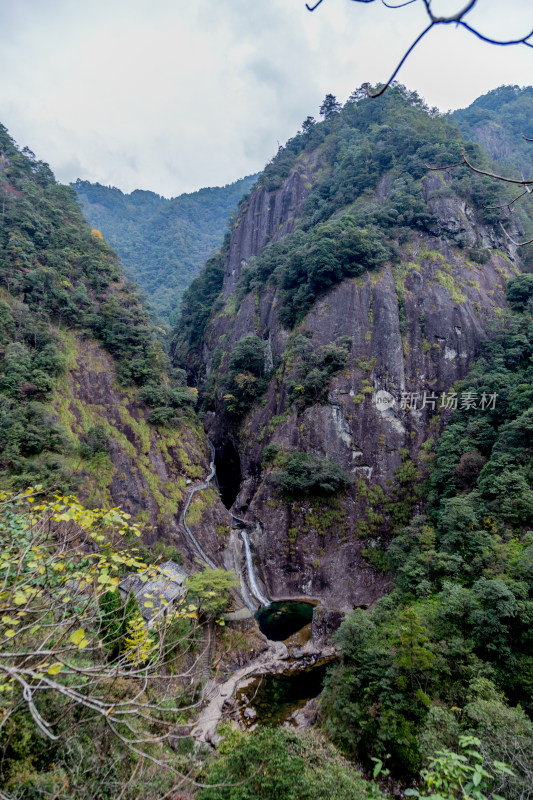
<point x="267" y="217"/>
<point x="415" y="327"/>
<point x="148" y="471"/>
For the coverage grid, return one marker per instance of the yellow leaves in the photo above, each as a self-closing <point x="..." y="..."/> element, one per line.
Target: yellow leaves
<point x="20" y="598"/>
<point x="55" y="668"/>
<point x="78" y="638"/>
<point x="96" y="233"/>
<point x="104" y="579"/>
<point x="10" y="633"/>
<point x="148" y="604"/>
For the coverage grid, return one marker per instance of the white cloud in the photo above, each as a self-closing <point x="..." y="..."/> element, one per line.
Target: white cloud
<point x="172" y="95"/>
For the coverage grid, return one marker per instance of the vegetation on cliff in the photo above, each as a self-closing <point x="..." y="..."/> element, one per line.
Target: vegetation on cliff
<point x="449" y="650"/>
<point x="55" y="275"/>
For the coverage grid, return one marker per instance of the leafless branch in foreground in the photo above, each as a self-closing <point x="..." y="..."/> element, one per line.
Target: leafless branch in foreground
<point x="466" y="162"/>
<point x="516" y="244"/>
<point x="526" y="183"/>
<point x="458" y="19"/>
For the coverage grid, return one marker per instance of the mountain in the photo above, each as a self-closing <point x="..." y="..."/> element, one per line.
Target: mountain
<point x="162" y="243"/>
<point x="499" y="120"/>
<point x="334" y="340"/>
<point x="363" y="279"/>
<point x="87" y="401"/>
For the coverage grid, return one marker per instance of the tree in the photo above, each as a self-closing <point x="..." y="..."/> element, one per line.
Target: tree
<point x="79" y="669"/>
<point x="271" y="764"/>
<point x="330" y="107"/>
<point x="308" y="124"/>
<point x="305" y="476"/>
<point x="210" y="590"/>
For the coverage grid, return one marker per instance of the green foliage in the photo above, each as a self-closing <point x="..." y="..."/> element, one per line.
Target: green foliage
<point x="270" y="764"/>
<point x="461" y="775"/>
<point x="54" y="272"/>
<point x="520" y="292"/>
<point x="197" y="304"/>
<point x="306" y="264"/>
<point x="97" y="441"/>
<point x="308" y="371"/>
<point x="116" y="617"/>
<point x="308" y="476"/>
<point x="162" y="243"/>
<point x="168" y="403"/>
<point x="210" y="590"/>
<point x="247" y="377"/>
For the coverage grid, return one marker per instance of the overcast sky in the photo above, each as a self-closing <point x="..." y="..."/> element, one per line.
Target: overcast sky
<point x="173" y="95"/>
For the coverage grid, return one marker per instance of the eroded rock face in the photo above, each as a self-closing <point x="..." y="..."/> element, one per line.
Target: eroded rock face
<point x="415" y="327"/>
<point x="148" y="472"/>
<point x="267" y="216"/>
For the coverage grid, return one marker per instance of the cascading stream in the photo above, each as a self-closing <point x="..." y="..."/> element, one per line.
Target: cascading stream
<point x="256" y="591"/>
<point x="189" y="532"/>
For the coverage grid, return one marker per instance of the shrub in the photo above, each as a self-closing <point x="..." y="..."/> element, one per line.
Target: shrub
<point x="305" y="476"/>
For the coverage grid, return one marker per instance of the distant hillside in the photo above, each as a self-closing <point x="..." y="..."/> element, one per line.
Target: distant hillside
<point x="162" y="243"/>
<point x="499" y="120"/>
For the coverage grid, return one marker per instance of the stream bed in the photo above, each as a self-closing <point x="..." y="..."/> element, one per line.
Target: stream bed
<point x="272" y="699"/>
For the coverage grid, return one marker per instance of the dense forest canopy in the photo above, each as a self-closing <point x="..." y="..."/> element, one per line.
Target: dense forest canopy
<point x="162" y="243"/>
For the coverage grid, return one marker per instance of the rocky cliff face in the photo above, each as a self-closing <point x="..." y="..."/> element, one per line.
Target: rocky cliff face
<point x="414" y="327"/>
<point x="147" y="471"/>
<point x="267" y="216"/>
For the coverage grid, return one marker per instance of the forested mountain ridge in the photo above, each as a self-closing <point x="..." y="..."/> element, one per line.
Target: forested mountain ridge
<point x="162" y="243"/>
<point x="379" y="280"/>
<point x="87" y="401"/>
<point x="332" y="339"/>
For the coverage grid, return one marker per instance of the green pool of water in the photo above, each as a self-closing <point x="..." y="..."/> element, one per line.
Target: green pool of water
<point x="280" y="620"/>
<point x="275" y="697"/>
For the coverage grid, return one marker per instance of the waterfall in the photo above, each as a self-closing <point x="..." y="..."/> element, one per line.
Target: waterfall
<point x="245" y="594"/>
<point x="256" y="591"/>
<point x="212" y="450"/>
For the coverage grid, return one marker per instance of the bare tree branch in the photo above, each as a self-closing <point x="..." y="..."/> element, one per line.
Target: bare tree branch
<point x="400" y="65"/>
<point x="458" y="19"/>
<point x="470" y="166"/>
<point x="527" y="190"/>
<point x="516" y="244"/>
<point x="407" y="3"/>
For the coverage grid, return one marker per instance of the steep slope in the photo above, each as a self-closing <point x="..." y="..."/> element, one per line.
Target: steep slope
<point x="162" y="243"/>
<point x="499" y="120"/>
<point x="86" y="401"/>
<point x="356" y="285"/>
